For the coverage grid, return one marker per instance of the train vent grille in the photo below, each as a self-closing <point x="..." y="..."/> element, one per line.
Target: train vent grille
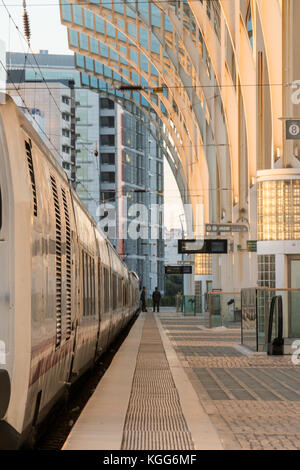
<point x="58" y="262"/>
<point x="68" y="264"/>
<point x="32" y="177"/>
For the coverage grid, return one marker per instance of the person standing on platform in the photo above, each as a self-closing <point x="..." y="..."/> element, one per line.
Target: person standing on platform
<point x="143" y="300"/>
<point x="156" y="296"/>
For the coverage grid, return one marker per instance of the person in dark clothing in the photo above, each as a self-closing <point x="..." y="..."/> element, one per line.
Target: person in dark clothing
<point x="156" y="296"/>
<point x="143" y="300"/>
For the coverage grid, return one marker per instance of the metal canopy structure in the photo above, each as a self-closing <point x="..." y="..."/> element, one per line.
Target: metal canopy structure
<point x="209" y="75"/>
<point x="152" y="45"/>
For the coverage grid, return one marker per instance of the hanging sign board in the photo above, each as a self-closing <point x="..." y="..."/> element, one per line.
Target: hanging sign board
<point x="178" y="269"/>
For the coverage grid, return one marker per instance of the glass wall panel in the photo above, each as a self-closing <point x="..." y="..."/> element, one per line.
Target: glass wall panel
<point x="278" y="210"/>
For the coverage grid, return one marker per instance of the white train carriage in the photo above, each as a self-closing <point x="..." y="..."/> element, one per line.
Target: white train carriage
<point x="64" y="292"/>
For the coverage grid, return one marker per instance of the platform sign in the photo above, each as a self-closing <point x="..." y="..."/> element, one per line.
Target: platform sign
<point x="252" y="246"/>
<point x="208" y="245"/>
<point x="226" y="228"/>
<point x="292" y="129"/>
<point x="178" y="269"/>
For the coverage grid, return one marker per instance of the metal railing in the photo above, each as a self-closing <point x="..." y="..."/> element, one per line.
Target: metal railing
<point x="256" y="307"/>
<point x="248" y="308"/>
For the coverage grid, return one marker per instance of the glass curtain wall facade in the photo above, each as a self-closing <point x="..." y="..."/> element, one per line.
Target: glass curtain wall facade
<point x="131" y="183"/>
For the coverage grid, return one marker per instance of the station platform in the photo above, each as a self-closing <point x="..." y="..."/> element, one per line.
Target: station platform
<point x="176" y="385"/>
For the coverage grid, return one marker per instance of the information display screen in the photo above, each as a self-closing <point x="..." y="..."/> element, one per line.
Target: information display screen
<point x="208" y="245"/>
<point x="178" y="269"/>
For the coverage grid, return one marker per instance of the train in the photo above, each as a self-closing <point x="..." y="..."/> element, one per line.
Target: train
<point x="65" y="293"/>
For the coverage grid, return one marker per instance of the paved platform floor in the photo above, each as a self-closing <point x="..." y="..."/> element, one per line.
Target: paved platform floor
<point x="174" y="384"/>
<point x="252" y="400"/>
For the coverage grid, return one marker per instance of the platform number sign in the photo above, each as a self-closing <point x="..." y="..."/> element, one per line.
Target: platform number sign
<point x="292" y="129"/>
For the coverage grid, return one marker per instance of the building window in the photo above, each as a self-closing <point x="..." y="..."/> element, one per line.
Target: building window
<point x="109" y="196"/>
<point x="159" y="182"/>
<point x="65" y="99"/>
<point x="249" y="24"/>
<point x="66" y="133"/>
<point x="203" y="264"/>
<point x="107" y="177"/>
<point x="107" y="121"/>
<point x="65" y="149"/>
<point x="66" y="165"/>
<point x="107" y="103"/>
<point x="66" y="117"/>
<point x="108" y="139"/>
<point x="107" y="158"/>
<point x="266" y="270"/>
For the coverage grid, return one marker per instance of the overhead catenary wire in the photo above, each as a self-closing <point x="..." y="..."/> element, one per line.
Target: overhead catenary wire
<point x="38" y="66"/>
<point x="104" y="3"/>
<point x="32" y="53"/>
<point x="149" y="88"/>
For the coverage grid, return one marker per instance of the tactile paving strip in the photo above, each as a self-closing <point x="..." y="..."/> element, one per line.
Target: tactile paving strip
<point x="154" y="419"/>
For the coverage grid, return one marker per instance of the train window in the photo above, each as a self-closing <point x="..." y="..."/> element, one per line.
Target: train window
<point x="114" y="292"/>
<point x="125" y="288"/>
<point x="106" y="292"/>
<point x="93" y="288"/>
<point x="99" y="288"/>
<point x="119" y="292"/>
<point x="86" y="287"/>
<point x="86" y="284"/>
<point x="83" y="282"/>
<point x="89" y="285"/>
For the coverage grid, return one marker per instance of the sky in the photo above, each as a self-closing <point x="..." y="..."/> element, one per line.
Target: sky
<point x="46" y="29"/>
<point x="48" y="33"/>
